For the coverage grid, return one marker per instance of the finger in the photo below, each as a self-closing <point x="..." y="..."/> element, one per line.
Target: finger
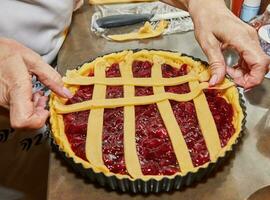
<point x="254" y="78"/>
<point x="224" y="46"/>
<point x="246" y="78"/>
<point x="36" y="97"/>
<point x="244" y="66"/>
<point x="257" y="72"/>
<point x="211" y="47"/>
<point x="237" y="75"/>
<point x="46" y="74"/>
<point x="40" y="107"/>
<point x="255" y="61"/>
<point x="42" y="115"/>
<point x="254" y="69"/>
<point x="42" y="102"/>
<point x="23" y="114"/>
<point x="237" y="72"/>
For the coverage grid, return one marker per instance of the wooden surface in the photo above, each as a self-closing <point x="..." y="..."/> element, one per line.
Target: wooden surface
<point x="247" y="171"/>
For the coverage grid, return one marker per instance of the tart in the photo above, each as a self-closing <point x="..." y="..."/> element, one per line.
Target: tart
<point x="141" y="118"/>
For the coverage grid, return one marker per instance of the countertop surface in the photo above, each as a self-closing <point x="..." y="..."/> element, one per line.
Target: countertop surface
<point x="245" y="172"/>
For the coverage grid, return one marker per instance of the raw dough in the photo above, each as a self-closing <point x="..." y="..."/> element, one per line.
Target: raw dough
<point x="147" y="31"/>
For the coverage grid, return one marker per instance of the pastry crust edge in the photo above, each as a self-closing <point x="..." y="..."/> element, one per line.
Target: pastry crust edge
<point x="231" y="95"/>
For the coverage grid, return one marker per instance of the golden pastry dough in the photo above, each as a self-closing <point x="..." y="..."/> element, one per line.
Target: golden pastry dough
<point x="131" y="157"/>
<point x="74" y="78"/>
<point x="95" y="122"/>
<point x="166" y="112"/>
<point x="206" y="122"/>
<point x="147" y="31"/>
<point x="139" y="100"/>
<point x="197" y="74"/>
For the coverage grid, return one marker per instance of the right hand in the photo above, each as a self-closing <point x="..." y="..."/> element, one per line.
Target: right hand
<point x="222" y="28"/>
<point x="17" y="66"/>
<point x="216" y="27"/>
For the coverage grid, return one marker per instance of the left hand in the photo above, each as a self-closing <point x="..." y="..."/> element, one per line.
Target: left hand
<point x="17" y="65"/>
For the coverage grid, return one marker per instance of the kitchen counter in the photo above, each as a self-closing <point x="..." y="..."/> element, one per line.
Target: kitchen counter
<point x="245" y="172"/>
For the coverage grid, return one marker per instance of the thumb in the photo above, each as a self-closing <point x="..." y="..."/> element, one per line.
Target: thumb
<point x="211" y="47"/>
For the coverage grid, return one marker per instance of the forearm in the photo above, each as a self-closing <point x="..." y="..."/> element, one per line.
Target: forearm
<point x="192" y="5"/>
<point x="183" y="4"/>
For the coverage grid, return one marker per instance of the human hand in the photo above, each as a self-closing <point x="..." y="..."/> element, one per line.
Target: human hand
<point x="216" y="28"/>
<point x="17" y="65"/>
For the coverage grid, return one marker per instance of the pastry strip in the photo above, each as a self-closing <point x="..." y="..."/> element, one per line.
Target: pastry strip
<point x="141" y="100"/>
<point x="145" y="32"/>
<point x="74" y="79"/>
<point x="110" y="58"/>
<point x="131" y="157"/>
<point x="95" y="121"/>
<point x="179" y="145"/>
<point x="175" y="57"/>
<point x="206" y="122"/>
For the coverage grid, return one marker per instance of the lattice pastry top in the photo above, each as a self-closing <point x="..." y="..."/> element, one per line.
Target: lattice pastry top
<point x="145" y="114"/>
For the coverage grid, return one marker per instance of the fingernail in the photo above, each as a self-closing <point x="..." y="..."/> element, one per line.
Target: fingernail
<point x="67" y="93"/>
<point x="213" y="80"/>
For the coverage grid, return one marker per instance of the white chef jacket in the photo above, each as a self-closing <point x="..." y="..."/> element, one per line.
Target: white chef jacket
<point x="38" y="24"/>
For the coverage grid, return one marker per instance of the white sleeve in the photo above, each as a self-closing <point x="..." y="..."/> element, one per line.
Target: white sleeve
<point x="38" y="24"/>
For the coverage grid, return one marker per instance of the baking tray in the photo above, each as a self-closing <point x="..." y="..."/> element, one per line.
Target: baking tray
<point x="152" y="186"/>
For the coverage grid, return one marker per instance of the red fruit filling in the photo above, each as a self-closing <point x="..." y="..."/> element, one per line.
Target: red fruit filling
<point x="186" y="117"/>
<point x="76" y="123"/>
<point x="154" y="147"/>
<point x="170" y="72"/>
<point x="223" y="115"/>
<point x="113" y="128"/>
<point x="141" y="69"/>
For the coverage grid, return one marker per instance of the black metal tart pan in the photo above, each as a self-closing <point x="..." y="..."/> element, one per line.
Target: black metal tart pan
<point x="152" y="185"/>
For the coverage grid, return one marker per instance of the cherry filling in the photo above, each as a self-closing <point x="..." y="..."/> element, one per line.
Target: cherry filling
<point x="154" y="147"/>
<point x="186" y="117"/>
<point x="223" y="115"/>
<point x="76" y="123"/>
<point x="113" y="128"/>
<point x="170" y="72"/>
<point x="76" y="130"/>
<point x="141" y="68"/>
